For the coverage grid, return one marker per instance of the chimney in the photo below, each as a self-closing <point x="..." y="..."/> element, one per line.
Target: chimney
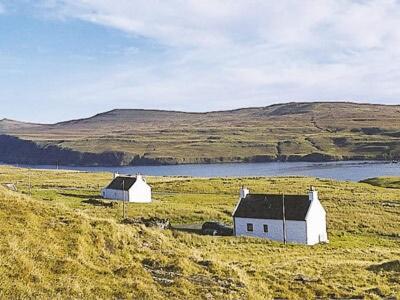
<point x="312" y="194"/>
<point x="243" y="192"/>
<point x="139" y="177"/>
<point x="115" y="175"/>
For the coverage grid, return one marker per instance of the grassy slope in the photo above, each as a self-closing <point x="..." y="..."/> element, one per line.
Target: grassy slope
<point x="55" y="244"/>
<point x="388" y="182"/>
<point x="340" y="130"/>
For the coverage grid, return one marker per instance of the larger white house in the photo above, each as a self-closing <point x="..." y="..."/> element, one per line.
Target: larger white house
<point x="128" y="188"/>
<point x="290" y="218"/>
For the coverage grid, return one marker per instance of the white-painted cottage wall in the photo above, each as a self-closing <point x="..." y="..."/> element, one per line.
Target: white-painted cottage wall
<point x="140" y="192"/>
<point x="115" y="194"/>
<point x="316" y="223"/>
<point x="295" y="230"/>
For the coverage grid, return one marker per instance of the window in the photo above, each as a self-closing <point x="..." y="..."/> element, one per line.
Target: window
<point x="249" y="227"/>
<point x="265" y="228"/>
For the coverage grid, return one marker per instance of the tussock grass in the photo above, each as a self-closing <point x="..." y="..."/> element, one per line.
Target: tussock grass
<point x="55" y="245"/>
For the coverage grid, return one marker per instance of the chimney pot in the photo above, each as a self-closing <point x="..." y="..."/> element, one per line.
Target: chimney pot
<point x="312" y="194"/>
<point x="243" y="192"/>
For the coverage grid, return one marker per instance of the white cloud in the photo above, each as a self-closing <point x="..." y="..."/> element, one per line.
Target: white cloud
<point x="214" y="23"/>
<point x="224" y="53"/>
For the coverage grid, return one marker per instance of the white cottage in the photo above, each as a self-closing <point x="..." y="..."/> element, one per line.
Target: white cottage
<point x="128" y="188"/>
<point x="290" y="218"/>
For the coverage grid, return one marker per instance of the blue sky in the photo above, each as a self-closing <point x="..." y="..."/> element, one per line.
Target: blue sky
<point x="64" y="59"/>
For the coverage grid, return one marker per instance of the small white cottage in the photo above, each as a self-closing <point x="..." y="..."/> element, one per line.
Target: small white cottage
<point x="290" y="218"/>
<point x="128" y="188"/>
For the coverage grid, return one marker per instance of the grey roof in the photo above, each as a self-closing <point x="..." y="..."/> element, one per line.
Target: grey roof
<point x="122" y="183"/>
<point x="262" y="206"/>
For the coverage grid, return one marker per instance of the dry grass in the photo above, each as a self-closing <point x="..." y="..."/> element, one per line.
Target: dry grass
<point x="55" y="245"/>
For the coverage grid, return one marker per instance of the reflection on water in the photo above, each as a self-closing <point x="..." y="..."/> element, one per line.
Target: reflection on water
<point x="344" y="170"/>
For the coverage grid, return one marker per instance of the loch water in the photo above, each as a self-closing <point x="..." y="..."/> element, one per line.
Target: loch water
<point x="341" y="170"/>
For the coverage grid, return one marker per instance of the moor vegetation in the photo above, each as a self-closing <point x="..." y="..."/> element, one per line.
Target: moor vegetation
<point x="283" y="132"/>
<point x="388" y="182"/>
<point x="58" y="239"/>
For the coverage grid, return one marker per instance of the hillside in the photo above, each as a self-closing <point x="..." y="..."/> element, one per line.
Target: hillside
<point x="284" y="132"/>
<point x="49" y="251"/>
<point x="387" y="182"/>
<point x="63" y="242"/>
<point x="7" y="125"/>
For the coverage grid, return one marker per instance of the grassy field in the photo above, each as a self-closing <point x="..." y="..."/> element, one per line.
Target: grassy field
<point x="293" y="131"/>
<point x="388" y="182"/>
<point x="63" y="242"/>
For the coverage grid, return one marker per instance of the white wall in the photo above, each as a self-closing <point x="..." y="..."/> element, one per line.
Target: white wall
<point x="115" y="194"/>
<point x="316" y="224"/>
<point x="140" y="192"/>
<point x="295" y="230"/>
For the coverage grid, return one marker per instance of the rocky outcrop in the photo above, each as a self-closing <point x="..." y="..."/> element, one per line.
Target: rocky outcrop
<point x="14" y="150"/>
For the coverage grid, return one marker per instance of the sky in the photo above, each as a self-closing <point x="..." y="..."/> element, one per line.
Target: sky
<point x="67" y="59"/>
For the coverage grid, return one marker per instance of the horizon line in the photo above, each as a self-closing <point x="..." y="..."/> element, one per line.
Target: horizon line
<point x="203" y="112"/>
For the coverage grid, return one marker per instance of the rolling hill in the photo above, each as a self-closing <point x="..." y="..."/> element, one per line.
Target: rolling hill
<point x="318" y="131"/>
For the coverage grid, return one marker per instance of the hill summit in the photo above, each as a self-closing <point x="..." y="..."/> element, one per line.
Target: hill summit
<point x="315" y="131"/>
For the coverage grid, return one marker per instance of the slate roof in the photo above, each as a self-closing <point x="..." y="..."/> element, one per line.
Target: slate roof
<point x="261" y="206"/>
<point x="122" y="183"/>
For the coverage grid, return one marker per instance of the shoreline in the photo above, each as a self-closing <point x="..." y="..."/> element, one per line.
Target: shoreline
<point x="338" y="170"/>
<point x="236" y="163"/>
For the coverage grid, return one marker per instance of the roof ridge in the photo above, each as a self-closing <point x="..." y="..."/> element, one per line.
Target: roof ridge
<point x="261" y="194"/>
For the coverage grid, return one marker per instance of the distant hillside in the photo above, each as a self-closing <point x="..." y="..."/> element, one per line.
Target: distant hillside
<point x="283" y="132"/>
<point x="7" y="125"/>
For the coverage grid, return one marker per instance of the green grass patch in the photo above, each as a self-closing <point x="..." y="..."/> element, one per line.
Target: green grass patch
<point x="61" y="243"/>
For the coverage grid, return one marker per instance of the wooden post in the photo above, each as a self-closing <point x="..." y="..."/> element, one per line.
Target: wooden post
<point x="284" y="219"/>
<point x="126" y="205"/>
<point x="29" y="182"/>
<point x="123" y="201"/>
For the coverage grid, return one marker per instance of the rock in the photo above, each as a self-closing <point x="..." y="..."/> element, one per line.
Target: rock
<point x="209" y="296"/>
<point x="205" y="263"/>
<point x="389" y="266"/>
<point x="164" y="275"/>
<point x="304" y="279"/>
<point x="148" y="222"/>
<point x="10" y="186"/>
<point x="164" y="281"/>
<point x="391" y="204"/>
<point x="376" y="291"/>
<point x="102" y="203"/>
<point x="122" y="272"/>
